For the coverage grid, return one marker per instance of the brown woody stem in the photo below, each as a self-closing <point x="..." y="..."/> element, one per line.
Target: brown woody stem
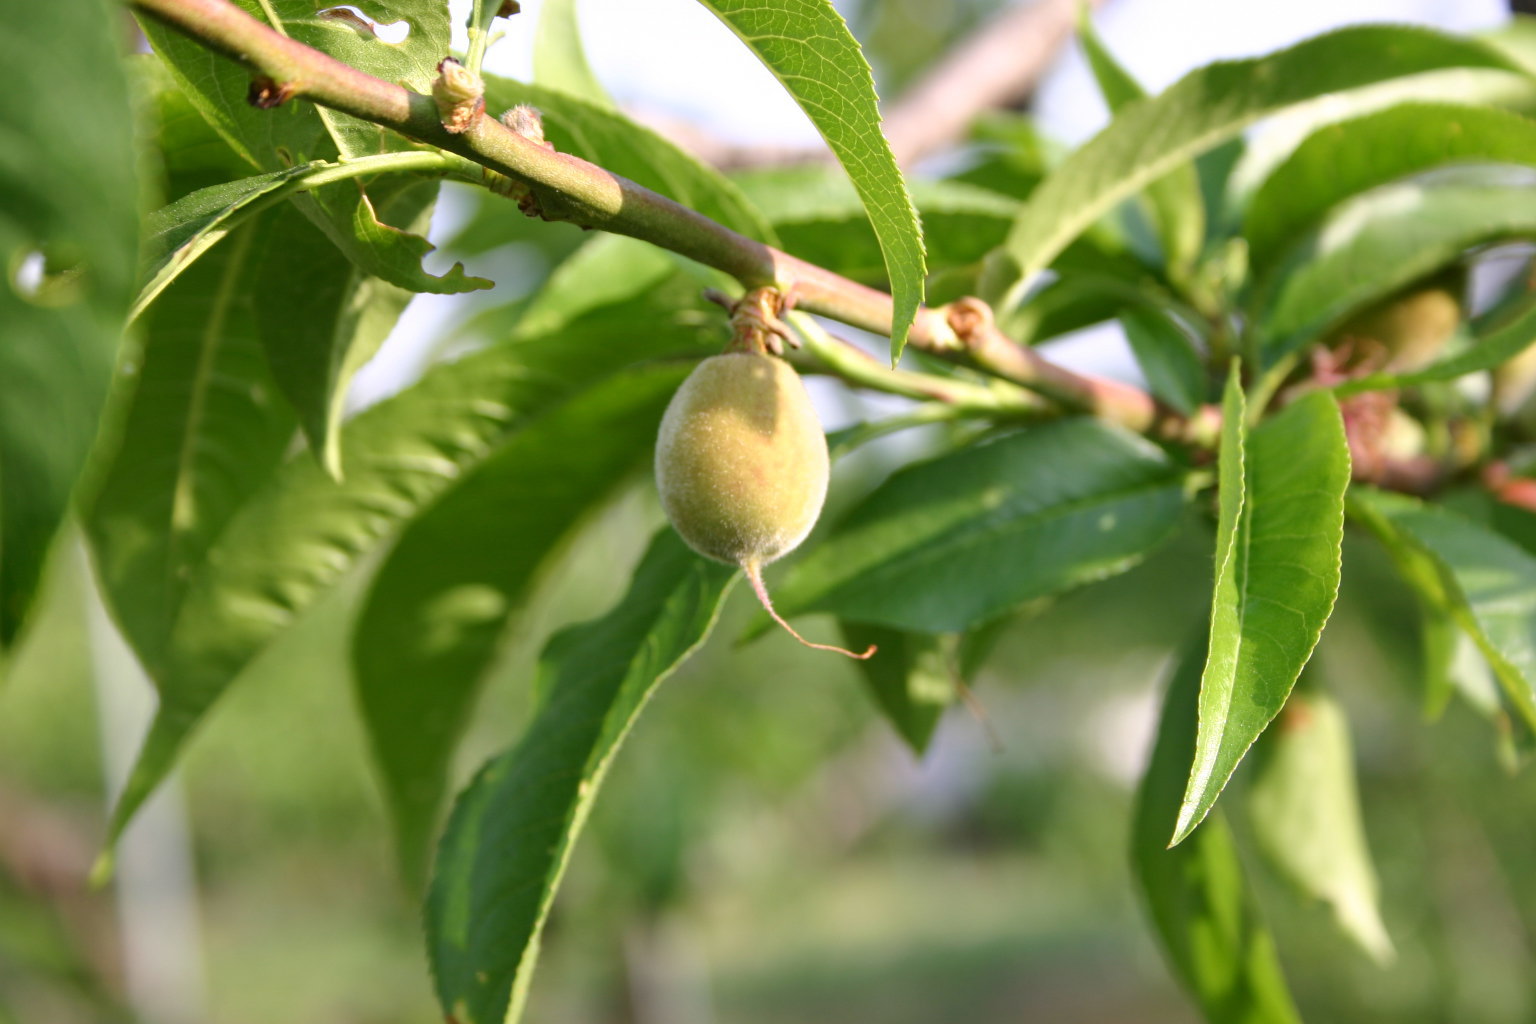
<point x="569" y="188"/>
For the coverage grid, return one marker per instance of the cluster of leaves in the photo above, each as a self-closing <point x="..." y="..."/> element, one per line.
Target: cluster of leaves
<point x="290" y="240"/>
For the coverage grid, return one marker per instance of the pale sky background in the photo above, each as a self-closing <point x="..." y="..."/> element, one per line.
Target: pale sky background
<point x="674" y="58"/>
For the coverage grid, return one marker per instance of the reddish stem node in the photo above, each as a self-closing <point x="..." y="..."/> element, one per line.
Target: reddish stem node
<point x="755" y="574"/>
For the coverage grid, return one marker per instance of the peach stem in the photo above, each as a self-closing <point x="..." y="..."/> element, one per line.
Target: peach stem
<point x="754" y="573"/>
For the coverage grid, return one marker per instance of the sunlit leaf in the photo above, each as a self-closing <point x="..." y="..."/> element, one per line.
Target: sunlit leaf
<point x="808" y="47"/>
<point x="1344" y="159"/>
<point x="819" y="217"/>
<point x="1203" y="109"/>
<point x="511" y="833"/>
<point x="1484" y="581"/>
<point x="1178" y="210"/>
<point x="1305" y="810"/>
<point x="1278" y="540"/>
<point x="1379" y="243"/>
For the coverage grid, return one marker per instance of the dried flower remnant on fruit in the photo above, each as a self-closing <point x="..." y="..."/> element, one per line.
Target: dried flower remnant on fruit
<point x="460" y="95"/>
<point x="742" y="465"/>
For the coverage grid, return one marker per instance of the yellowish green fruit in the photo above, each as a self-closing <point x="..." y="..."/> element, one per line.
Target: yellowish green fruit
<point x="1412" y="326"/>
<point x="741" y="464"/>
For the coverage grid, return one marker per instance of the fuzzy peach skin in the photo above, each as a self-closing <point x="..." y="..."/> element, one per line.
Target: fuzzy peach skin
<point x="741" y="460"/>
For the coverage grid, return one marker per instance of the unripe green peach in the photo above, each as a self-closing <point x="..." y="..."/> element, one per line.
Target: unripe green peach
<point x="1414" y="325"/>
<point x="741" y="463"/>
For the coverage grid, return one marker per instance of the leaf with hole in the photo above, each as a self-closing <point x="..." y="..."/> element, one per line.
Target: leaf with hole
<point x="69" y="235"/>
<point x="276" y="141"/>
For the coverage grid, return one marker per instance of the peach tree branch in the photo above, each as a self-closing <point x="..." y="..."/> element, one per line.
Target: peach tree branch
<point x="565" y="187"/>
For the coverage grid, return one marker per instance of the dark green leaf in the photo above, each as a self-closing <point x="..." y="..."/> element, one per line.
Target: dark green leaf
<point x="950" y="543"/>
<point x="913" y="678"/>
<point x="304" y="531"/>
<point x="559" y="62"/>
<point x="1306" y="816"/>
<point x="459" y="572"/>
<point x="511" y="833"/>
<point x="1341" y="160"/>
<point x="69" y="205"/>
<point x="205" y="426"/>
<point x="267" y="140"/>
<point x="1380" y="242"/>
<point x="1203" y="109"/>
<point x="322" y="318"/>
<point x="1484" y="581"/>
<point x="808" y="47"/>
<point x="1070" y="303"/>
<point x="617" y="144"/>
<point x="178" y="234"/>
<point x="1177" y="207"/>
<point x="1278" y="541"/>
<point x="1167" y="357"/>
<point x="1196" y="893"/>
<point x="390" y="251"/>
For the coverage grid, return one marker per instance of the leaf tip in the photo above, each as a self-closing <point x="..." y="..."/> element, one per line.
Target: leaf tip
<point x="1190" y="816"/>
<point x="103" y="869"/>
